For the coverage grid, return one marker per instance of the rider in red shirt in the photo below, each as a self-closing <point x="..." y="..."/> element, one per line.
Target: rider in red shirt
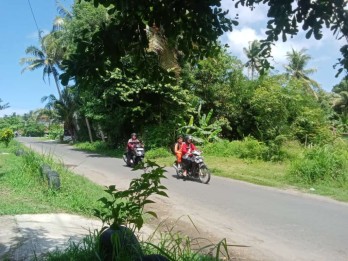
<point x="130" y="146"/>
<point x="187" y="149"/>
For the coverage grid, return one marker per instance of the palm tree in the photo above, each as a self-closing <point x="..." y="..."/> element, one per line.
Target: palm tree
<point x="298" y="61"/>
<point x="253" y="53"/>
<point x="65" y="109"/>
<point x="340" y="102"/>
<point x="41" y="58"/>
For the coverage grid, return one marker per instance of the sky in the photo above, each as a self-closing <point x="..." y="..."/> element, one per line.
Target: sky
<point x="23" y="91"/>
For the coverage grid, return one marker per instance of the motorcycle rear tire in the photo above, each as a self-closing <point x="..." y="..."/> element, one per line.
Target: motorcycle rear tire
<point x="204" y="175"/>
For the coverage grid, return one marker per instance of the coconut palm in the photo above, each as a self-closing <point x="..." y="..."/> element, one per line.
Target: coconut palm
<point x="296" y="68"/>
<point x="64" y="108"/>
<point x="41" y="58"/>
<point x="253" y="53"/>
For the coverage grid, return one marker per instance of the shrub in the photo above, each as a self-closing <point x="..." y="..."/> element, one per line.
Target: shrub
<point x="252" y="149"/>
<point x="158" y="153"/>
<point x="223" y="148"/>
<point x="55" y="131"/>
<point x="34" y="130"/>
<point x="324" y="163"/>
<point x="6" y="135"/>
<point x="248" y="148"/>
<point x="156" y="136"/>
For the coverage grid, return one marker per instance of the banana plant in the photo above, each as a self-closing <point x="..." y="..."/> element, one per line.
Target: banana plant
<point x="204" y="131"/>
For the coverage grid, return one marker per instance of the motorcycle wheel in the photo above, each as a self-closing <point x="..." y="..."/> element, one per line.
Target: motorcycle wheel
<point x="124" y="157"/>
<point x="204" y="175"/>
<point x="125" y="160"/>
<point x="137" y="160"/>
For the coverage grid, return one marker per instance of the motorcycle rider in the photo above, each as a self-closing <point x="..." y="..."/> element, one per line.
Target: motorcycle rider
<point x="132" y="142"/>
<point x="187" y="149"/>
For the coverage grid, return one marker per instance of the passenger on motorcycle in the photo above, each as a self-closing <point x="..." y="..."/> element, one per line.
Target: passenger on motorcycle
<point x="187" y="149"/>
<point x="178" y="150"/>
<point x="132" y="142"/>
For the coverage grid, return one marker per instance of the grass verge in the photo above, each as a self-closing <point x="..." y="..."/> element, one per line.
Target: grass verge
<point x="25" y="191"/>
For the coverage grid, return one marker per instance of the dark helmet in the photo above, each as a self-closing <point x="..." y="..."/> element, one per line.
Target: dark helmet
<point x="133" y="134"/>
<point x="179" y="136"/>
<point x="188" y="137"/>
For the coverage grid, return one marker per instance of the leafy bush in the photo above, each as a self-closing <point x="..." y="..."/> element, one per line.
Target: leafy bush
<point x="100" y="147"/>
<point x="324" y="163"/>
<point x="55" y="131"/>
<point x="34" y="130"/>
<point x="6" y="136"/>
<point x="158" y="153"/>
<point x="223" y="148"/>
<point x="248" y="148"/>
<point x="252" y="149"/>
<point x="156" y="136"/>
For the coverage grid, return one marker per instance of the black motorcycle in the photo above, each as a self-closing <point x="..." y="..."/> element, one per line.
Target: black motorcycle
<point x="137" y="155"/>
<point x="198" y="169"/>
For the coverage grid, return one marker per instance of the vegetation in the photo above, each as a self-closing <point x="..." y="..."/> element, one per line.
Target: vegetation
<point x="6" y="135"/>
<point x="27" y="191"/>
<point x="161" y="72"/>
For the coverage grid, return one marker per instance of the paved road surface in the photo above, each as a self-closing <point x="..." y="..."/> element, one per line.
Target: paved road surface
<point x="276" y="224"/>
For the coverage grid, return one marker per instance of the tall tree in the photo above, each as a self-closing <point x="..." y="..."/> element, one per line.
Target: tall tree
<point x="340" y="103"/>
<point x="44" y="57"/>
<point x="287" y="18"/>
<point x="65" y="109"/>
<point x="296" y="68"/>
<point x="253" y="52"/>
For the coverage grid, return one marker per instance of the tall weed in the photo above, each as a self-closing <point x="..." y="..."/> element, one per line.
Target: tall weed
<point x="249" y="148"/>
<point x="320" y="163"/>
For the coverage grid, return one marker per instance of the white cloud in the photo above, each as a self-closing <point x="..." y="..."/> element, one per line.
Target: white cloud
<point x="238" y="39"/>
<point x="246" y="16"/>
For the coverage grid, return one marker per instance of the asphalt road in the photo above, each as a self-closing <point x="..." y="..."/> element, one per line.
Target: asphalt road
<point x="275" y="224"/>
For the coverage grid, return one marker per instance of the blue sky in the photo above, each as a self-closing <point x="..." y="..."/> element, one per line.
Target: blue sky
<point x="24" y="91"/>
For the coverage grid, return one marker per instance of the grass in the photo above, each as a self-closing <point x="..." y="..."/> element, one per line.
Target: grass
<point x="25" y="191"/>
<point x="101" y="148"/>
<point x="168" y="243"/>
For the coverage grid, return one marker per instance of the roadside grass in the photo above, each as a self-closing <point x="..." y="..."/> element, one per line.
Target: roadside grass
<point x="25" y="191"/>
<point x="100" y="147"/>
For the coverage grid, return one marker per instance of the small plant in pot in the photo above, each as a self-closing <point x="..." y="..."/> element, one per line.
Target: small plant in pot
<point x="122" y="213"/>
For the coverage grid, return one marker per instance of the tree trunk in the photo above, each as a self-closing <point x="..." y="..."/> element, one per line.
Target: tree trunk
<point x="89" y="130"/>
<point x="57" y="85"/>
<point x="101" y="133"/>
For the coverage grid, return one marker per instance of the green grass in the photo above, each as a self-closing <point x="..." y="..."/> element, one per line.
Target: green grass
<point x="101" y="148"/>
<point x="23" y="190"/>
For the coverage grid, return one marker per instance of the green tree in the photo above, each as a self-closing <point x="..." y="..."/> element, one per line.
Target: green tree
<point x="340" y="104"/>
<point x="6" y="135"/>
<point x="43" y="57"/>
<point x="65" y="109"/>
<point x="287" y="17"/>
<point x="257" y="55"/>
<point x="296" y="68"/>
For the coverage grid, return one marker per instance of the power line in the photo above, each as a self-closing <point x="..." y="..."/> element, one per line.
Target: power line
<point x="32" y="12"/>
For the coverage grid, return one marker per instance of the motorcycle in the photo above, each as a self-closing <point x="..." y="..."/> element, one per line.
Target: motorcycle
<point x="198" y="170"/>
<point x="137" y="155"/>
